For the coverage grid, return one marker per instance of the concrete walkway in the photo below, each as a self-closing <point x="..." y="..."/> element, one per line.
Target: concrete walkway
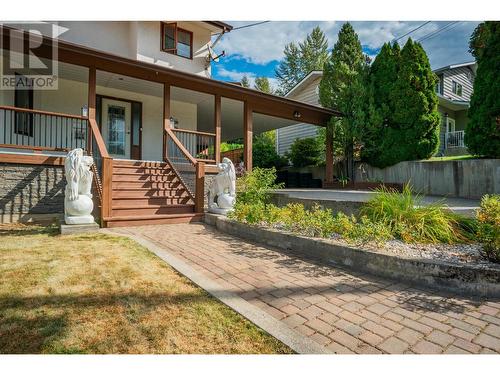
<point x="459" y="205"/>
<point x="343" y="312"/>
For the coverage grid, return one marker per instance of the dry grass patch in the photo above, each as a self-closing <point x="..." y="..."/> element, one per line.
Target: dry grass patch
<point x="97" y="293"/>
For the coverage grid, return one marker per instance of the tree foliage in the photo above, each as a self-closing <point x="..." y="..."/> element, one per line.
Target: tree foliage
<point x="306" y="152"/>
<point x="343" y="87"/>
<point x="262" y="84"/>
<point x="264" y="153"/>
<point x="301" y="59"/>
<point x="403" y="122"/>
<point x="482" y="135"/>
<point x="245" y="82"/>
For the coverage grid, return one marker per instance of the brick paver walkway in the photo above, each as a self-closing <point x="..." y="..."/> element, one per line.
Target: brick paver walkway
<point x="345" y="311"/>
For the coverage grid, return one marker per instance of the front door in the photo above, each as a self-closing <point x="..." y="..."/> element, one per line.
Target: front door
<point x="116" y="124"/>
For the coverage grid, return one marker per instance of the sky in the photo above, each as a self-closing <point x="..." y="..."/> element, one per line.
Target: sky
<point x="256" y="51"/>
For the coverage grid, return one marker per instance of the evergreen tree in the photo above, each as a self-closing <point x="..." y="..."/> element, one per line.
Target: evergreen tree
<point x="383" y="77"/>
<point x="343" y="87"/>
<point x="245" y="82"/>
<point x="313" y="51"/>
<point x="482" y="135"/>
<point x="413" y="131"/>
<point x="262" y="84"/>
<point x="288" y="71"/>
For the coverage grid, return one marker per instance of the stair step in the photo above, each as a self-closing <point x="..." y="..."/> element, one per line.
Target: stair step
<point x="118" y="202"/>
<point x="152" y="193"/>
<point x="122" y="221"/>
<point x="141" y="170"/>
<point x="146" y="185"/>
<point x="139" y="163"/>
<point x="153" y="210"/>
<point x="137" y="177"/>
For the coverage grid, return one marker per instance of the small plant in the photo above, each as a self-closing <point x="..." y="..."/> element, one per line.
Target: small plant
<point x="343" y="180"/>
<point x="488" y="233"/>
<point x="255" y="186"/>
<point x="410" y="220"/>
<point x="305" y="152"/>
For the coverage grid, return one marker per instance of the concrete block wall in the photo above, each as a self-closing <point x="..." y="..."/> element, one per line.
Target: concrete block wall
<point x="458" y="178"/>
<point x="31" y="192"/>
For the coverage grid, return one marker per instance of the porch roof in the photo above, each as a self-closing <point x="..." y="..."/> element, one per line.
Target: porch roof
<point x="260" y="102"/>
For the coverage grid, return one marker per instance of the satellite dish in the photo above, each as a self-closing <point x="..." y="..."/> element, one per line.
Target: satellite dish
<point x="213" y="56"/>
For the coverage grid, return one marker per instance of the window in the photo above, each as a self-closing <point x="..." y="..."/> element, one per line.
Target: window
<point x="456" y="88"/>
<point x="176" y="40"/>
<point x="23" y="121"/>
<point x="439" y="85"/>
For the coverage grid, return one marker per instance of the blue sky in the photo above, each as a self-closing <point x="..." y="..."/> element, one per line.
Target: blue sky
<point x="256" y="51"/>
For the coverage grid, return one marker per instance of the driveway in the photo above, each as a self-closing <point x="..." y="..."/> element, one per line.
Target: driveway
<point x="343" y="311"/>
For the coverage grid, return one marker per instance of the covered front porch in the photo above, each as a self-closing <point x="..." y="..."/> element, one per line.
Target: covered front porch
<point x="119" y="110"/>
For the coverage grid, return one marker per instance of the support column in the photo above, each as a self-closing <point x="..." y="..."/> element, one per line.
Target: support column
<point x="217" y="122"/>
<point x="329" y="154"/>
<point x="166" y="116"/>
<point x="247" y="136"/>
<point x="91" y="103"/>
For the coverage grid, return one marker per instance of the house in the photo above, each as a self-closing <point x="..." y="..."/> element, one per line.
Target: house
<point x="454" y="91"/>
<point x="138" y="97"/>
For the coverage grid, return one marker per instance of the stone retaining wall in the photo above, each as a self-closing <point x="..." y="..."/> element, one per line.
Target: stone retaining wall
<point x="31" y="192"/>
<point x="468" y="279"/>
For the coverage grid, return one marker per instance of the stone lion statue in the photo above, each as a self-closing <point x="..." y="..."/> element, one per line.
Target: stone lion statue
<point x="78" y="204"/>
<point x="222" y="191"/>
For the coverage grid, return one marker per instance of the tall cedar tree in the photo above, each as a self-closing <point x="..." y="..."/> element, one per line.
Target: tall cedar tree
<point x="482" y="135"/>
<point x="414" y="133"/>
<point x="262" y="84"/>
<point x="245" y="82"/>
<point x="382" y="80"/>
<point x="309" y="55"/>
<point x="343" y="87"/>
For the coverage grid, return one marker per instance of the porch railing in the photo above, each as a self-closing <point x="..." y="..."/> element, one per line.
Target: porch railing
<point x="190" y="170"/>
<point x="22" y="128"/>
<point x="455" y="139"/>
<point x="200" y="145"/>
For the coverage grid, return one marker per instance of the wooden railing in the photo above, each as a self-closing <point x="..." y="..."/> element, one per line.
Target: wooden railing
<point x="200" y="145"/>
<point x="36" y="130"/>
<point x="189" y="169"/>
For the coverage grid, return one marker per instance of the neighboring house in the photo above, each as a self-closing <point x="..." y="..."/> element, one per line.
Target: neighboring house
<point x="138" y="97"/>
<point x="307" y="91"/>
<point x="454" y="91"/>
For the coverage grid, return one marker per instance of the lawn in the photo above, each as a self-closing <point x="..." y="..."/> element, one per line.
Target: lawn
<point x="97" y="293"/>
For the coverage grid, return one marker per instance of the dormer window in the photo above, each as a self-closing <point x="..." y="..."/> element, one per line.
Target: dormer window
<point x="176" y="40"/>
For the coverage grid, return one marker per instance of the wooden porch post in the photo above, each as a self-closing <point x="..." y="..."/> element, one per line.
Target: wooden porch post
<point x="217" y="121"/>
<point x="247" y="136"/>
<point x="166" y="116"/>
<point x="329" y="155"/>
<point x="199" y="202"/>
<point x="91" y="104"/>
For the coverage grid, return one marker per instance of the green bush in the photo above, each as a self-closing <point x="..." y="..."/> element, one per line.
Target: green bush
<point x="410" y="220"/>
<point x="264" y="153"/>
<point x="488" y="234"/>
<point x="255" y="186"/>
<point x="305" y="152"/>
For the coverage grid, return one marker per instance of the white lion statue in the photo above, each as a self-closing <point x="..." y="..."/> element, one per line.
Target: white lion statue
<point x="222" y="192"/>
<point x="78" y="204"/>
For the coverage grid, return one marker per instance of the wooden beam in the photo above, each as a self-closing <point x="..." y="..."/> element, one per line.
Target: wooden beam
<point x="217" y="122"/>
<point x="247" y="135"/>
<point x="199" y="200"/>
<point x="329" y="154"/>
<point x="166" y="116"/>
<point x="91" y="103"/>
<point x="37" y="159"/>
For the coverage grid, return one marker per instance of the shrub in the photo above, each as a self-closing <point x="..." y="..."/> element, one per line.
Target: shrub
<point x="305" y="152"/>
<point x="264" y="153"/>
<point x="255" y="186"/>
<point x="410" y="220"/>
<point x="489" y="227"/>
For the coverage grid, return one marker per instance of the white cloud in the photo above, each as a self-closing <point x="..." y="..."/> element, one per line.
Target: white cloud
<point x="265" y="43"/>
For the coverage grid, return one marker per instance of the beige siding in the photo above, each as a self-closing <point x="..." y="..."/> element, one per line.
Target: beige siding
<point x="286" y="136"/>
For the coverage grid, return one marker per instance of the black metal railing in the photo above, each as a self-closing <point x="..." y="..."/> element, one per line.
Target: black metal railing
<point x="40" y="130"/>
<point x="200" y="145"/>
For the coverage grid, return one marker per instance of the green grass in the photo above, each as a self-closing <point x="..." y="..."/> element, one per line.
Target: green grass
<point x="450" y="158"/>
<point x="96" y="293"/>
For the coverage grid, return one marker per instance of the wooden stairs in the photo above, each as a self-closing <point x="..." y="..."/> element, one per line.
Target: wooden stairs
<point x="146" y="193"/>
